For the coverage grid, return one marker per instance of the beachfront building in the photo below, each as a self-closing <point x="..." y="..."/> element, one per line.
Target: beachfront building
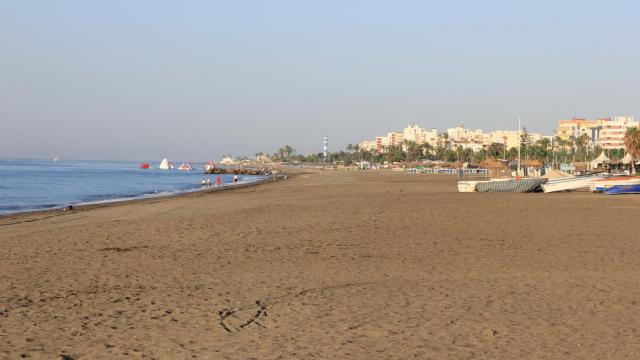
<point x="392" y="138"/>
<point x="611" y="132"/>
<point x="512" y="138"/>
<point x="419" y="135"/>
<point x="475" y="140"/>
<point x="367" y="145"/>
<point x="468" y="139"/>
<point x="576" y="127"/>
<point x="509" y="137"/>
<point x="412" y="132"/>
<point x="607" y="133"/>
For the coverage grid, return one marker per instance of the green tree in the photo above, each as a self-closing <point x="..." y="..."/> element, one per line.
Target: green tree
<point x="632" y="143"/>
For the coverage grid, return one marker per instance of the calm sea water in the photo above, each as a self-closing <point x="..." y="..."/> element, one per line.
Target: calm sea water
<point x="42" y="184"/>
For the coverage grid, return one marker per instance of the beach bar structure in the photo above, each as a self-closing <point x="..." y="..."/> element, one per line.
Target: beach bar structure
<point x="601" y="161"/>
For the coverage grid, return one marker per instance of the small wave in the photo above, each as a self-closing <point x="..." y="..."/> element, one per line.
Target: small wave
<point x="112" y="197"/>
<point x="9" y="209"/>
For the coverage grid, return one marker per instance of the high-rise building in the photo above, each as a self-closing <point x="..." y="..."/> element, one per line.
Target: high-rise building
<point x="467" y="138"/>
<point x="611" y="132"/>
<point x="509" y="137"/>
<point x="367" y="145"/>
<point x="576" y="127"/>
<point x="419" y="135"/>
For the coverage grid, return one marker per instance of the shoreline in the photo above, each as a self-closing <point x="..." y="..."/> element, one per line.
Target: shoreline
<point x="85" y="206"/>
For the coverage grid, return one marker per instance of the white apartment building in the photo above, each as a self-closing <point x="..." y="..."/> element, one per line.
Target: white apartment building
<point x="457" y="136"/>
<point x="392" y="138"/>
<point x="511" y="137"/>
<point x="611" y="132"/>
<point x="468" y="139"/>
<point x="508" y="137"/>
<point x="367" y="145"/>
<point x="419" y="135"/>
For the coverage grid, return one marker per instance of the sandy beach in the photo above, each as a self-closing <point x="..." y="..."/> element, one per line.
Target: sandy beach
<point x="331" y="265"/>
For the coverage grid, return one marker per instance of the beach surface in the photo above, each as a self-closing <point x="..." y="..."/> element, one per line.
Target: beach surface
<point x="327" y="265"/>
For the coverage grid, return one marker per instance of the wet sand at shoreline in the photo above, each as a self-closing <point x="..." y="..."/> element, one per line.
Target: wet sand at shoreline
<point x="366" y="265"/>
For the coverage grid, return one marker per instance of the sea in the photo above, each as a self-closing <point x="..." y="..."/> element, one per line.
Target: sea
<point x="27" y="185"/>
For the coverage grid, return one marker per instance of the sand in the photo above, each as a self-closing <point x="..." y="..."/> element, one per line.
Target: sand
<point x="336" y="265"/>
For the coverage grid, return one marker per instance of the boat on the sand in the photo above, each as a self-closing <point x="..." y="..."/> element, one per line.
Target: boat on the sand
<point x="603" y="184"/>
<point x="467" y="186"/>
<point x="522" y="185"/>
<point x="622" y="189"/>
<point x="571" y="184"/>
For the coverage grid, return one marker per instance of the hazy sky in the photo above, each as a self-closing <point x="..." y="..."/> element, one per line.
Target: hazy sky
<point x="192" y="80"/>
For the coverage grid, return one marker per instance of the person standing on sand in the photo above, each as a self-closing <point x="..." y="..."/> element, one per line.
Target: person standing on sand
<point x="218" y="181"/>
<point x="209" y="183"/>
<point x="203" y="183"/>
<point x="235" y="178"/>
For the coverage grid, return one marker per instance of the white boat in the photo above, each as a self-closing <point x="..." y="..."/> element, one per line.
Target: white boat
<point x="165" y="165"/>
<point x="601" y="185"/>
<point x="570" y="184"/>
<point x="209" y="166"/>
<point x="185" y="167"/>
<point x="467" y="186"/>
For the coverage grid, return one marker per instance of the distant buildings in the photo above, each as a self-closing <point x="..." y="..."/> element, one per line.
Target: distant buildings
<point x="510" y="137"/>
<point x="417" y="134"/>
<point x="475" y="140"/>
<point x="456" y="136"/>
<point x="606" y="133"/>
<point x="610" y="135"/>
<point x="575" y="127"/>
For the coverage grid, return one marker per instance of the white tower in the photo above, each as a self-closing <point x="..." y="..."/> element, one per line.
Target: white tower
<point x="325" y="148"/>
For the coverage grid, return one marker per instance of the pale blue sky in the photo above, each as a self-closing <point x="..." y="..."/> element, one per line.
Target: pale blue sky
<point x="191" y="80"/>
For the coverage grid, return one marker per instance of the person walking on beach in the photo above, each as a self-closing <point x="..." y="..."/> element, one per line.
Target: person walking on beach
<point x="218" y="181"/>
<point x="235" y="178"/>
<point x="203" y="183"/>
<point x="209" y="183"/>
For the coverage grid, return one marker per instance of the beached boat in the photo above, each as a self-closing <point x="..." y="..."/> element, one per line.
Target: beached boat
<point x="165" y="165"/>
<point x="570" y="184"/>
<point x="185" y="167"/>
<point x="622" y="189"/>
<point x="603" y="184"/>
<point x="524" y="185"/>
<point x="467" y="186"/>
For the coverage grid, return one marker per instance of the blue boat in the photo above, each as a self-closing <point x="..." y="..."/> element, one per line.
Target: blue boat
<point x="622" y="189"/>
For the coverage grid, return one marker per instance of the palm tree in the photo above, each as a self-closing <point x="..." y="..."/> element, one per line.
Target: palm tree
<point x="632" y="143"/>
<point x="427" y="149"/>
<point x="445" y="138"/>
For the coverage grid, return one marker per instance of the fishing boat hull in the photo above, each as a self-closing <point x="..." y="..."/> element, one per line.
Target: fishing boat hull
<point x="570" y="184"/>
<point x="511" y="185"/>
<point x="467" y="186"/>
<point x="602" y="185"/>
<point x="622" y="189"/>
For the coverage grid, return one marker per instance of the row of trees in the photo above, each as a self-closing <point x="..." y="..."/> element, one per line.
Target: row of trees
<point x="572" y="150"/>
